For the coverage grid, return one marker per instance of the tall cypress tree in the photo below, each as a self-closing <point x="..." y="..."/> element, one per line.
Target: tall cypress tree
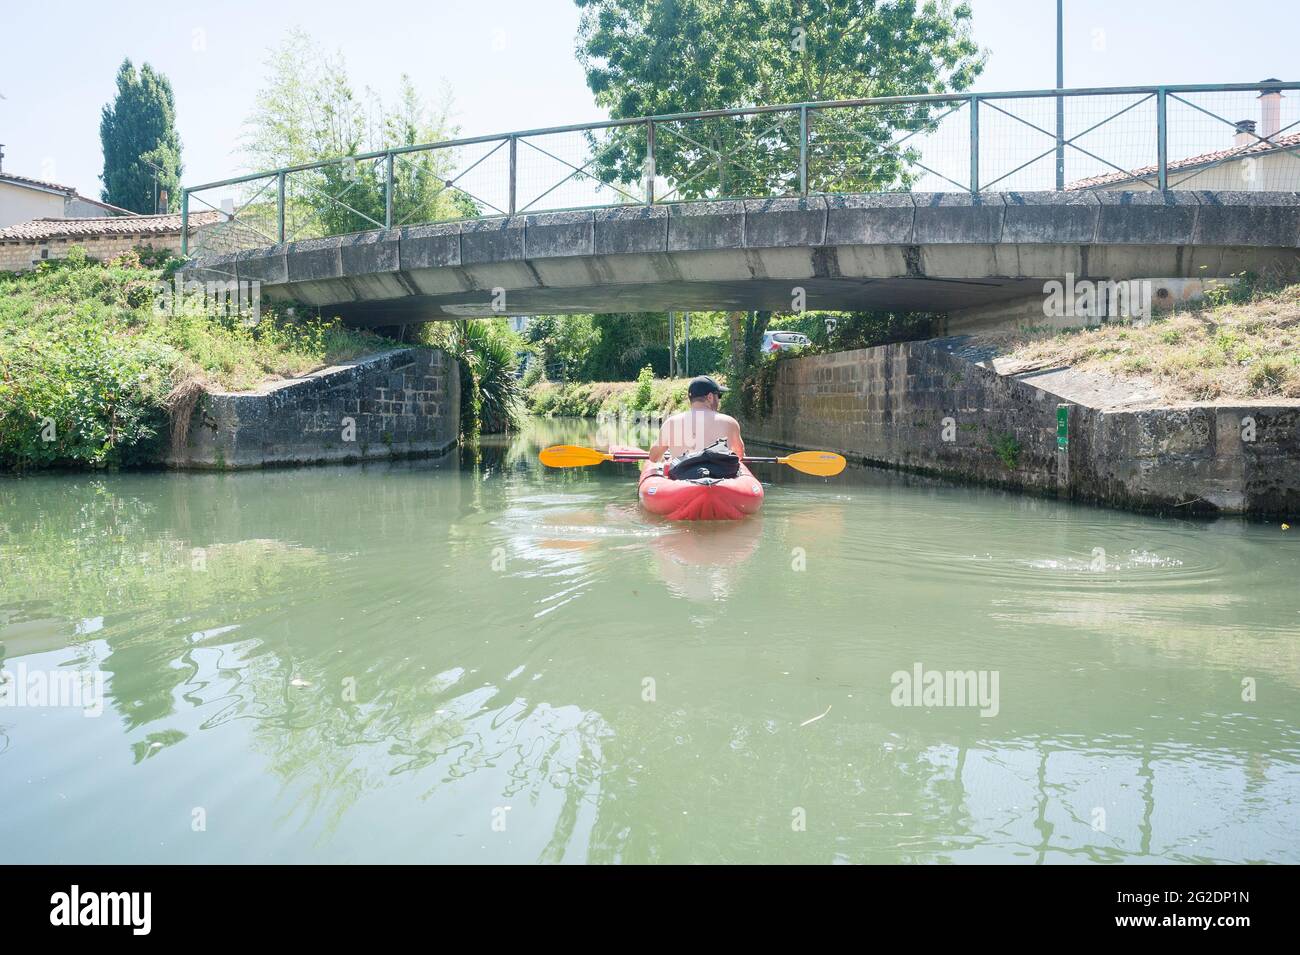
<point x="136" y="129"/>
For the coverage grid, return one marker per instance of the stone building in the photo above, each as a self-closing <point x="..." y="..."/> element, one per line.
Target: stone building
<point x="27" y="244"/>
<point x="23" y="199"/>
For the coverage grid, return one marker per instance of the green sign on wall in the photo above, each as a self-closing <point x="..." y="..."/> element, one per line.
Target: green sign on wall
<point x="1062" y="427"/>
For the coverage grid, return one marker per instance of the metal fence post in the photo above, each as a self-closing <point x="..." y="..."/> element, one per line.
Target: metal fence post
<point x="672" y="344"/>
<point x="185" y="223"/>
<point x="279" y="208"/>
<point x="388" y="191"/>
<point x="686" y="335"/>
<point x="649" y="162"/>
<point x="1162" y="140"/>
<point x="1060" y="100"/>
<point x="514" y="173"/>
<point x="974" y="145"/>
<point x="803" y="150"/>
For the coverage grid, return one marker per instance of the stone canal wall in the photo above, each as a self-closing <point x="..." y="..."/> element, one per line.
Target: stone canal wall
<point x="940" y="407"/>
<point x="1232" y="459"/>
<point x="918" y="406"/>
<point x="400" y="403"/>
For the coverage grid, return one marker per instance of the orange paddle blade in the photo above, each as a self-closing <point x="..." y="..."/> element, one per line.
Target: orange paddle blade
<point x="820" y="463"/>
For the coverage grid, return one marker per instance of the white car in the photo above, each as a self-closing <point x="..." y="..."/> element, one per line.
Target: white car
<point x="780" y="341"/>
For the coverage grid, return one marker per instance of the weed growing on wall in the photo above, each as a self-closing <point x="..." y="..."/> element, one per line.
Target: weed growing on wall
<point x="1007" y="448"/>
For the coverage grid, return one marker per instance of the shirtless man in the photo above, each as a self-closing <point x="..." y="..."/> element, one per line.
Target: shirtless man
<point x="703" y="424"/>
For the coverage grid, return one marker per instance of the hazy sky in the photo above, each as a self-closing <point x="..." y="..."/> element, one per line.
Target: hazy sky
<point x="510" y="63"/>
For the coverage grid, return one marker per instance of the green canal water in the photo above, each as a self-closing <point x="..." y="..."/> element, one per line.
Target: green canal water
<point x="371" y="663"/>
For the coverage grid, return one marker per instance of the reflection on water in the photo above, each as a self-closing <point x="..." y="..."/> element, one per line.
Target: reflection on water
<point x="704" y="561"/>
<point x="473" y="660"/>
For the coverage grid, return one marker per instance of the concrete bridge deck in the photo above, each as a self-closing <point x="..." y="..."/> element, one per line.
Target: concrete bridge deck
<point x="920" y="251"/>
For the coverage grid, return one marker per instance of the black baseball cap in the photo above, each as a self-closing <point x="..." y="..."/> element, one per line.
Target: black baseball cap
<point x="703" y="385"/>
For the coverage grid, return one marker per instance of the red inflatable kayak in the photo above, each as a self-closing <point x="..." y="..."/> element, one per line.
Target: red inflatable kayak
<point x="703" y="499"/>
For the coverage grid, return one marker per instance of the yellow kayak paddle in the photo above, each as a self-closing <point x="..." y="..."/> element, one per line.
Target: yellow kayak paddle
<point x="819" y="463"/>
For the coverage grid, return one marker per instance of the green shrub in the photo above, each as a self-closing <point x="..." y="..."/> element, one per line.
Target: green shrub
<point x="534" y="373"/>
<point x="491" y="392"/>
<point x="592" y="398"/>
<point x="868" y="329"/>
<point x="87" y="361"/>
<point x="756" y="390"/>
<point x="93" y="401"/>
<point x="644" y="389"/>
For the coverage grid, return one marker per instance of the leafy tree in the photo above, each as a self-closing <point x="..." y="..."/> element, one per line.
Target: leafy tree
<point x="745" y="334"/>
<point x="308" y="111"/>
<point x="136" y="129"/>
<point x="626" y="343"/>
<point x="561" y="344"/>
<point x="601" y="347"/>
<point x="868" y="329"/>
<point x="653" y="57"/>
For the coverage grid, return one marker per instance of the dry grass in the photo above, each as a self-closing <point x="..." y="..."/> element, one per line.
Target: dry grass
<point x="180" y="404"/>
<point x="1248" y="348"/>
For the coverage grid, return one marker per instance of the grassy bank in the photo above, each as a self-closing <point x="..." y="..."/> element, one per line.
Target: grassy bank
<point x="589" y="399"/>
<point x="89" y="365"/>
<point x="1240" y="343"/>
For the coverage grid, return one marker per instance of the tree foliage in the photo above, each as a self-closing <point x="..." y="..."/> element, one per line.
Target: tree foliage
<point x="560" y="344"/>
<point x="601" y="347"/>
<point x="308" y="111"/>
<point x="655" y="57"/>
<point x="625" y="344"/>
<point x="138" y="129"/>
<point x="491" y="392"/>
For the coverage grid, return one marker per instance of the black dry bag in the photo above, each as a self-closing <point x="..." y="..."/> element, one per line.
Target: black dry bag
<point x="717" y="461"/>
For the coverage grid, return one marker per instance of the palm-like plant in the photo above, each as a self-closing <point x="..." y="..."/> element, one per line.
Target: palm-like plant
<point x="492" y="394"/>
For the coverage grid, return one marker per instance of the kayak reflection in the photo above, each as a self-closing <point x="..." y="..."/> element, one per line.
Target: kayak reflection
<point x="703" y="561"/>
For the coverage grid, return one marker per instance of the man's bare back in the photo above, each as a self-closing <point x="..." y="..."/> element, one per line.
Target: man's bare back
<point x="698" y="427"/>
<point x="695" y="430"/>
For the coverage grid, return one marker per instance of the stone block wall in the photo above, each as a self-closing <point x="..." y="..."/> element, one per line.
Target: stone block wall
<point x="887" y="406"/>
<point x="223" y="238"/>
<point x="400" y="403"/>
<point x="20" y="255"/>
<point x="1194" y="460"/>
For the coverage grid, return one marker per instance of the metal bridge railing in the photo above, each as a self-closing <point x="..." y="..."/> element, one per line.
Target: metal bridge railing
<point x="1229" y="136"/>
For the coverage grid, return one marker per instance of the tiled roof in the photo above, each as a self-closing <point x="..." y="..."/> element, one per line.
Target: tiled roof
<point x="42" y="229"/>
<point x="117" y="210"/>
<point x="39" y="183"/>
<point x="1205" y="159"/>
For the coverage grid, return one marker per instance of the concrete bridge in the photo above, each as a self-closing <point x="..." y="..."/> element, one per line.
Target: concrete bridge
<point x="942" y="252"/>
<point x="823" y="205"/>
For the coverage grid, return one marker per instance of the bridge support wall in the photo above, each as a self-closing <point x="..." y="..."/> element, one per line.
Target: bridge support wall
<point x="401" y="403"/>
<point x="936" y="408"/>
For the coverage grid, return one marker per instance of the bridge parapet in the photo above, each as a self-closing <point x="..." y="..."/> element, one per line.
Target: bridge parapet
<point x="1157" y="138"/>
